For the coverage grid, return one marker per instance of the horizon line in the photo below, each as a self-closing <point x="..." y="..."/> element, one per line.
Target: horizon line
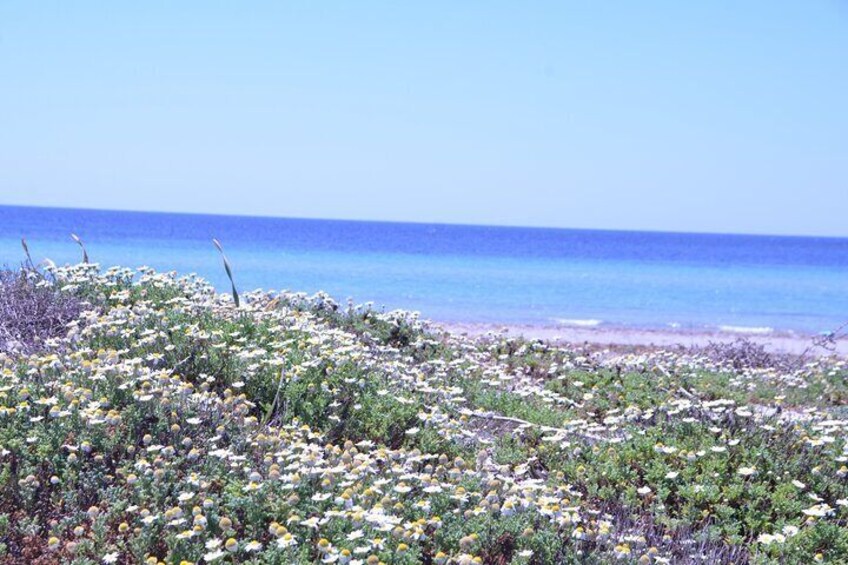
<point x="424" y="223"/>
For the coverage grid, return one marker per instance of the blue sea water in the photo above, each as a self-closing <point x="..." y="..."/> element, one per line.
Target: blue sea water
<point x="482" y="274"/>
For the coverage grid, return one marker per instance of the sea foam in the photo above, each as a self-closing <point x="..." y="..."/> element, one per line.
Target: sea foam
<point x="590" y="323"/>
<point x="747" y="330"/>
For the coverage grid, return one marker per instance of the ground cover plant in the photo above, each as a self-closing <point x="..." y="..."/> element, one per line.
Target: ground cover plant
<point x="153" y="420"/>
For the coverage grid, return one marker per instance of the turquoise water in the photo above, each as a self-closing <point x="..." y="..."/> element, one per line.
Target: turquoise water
<point x="475" y="273"/>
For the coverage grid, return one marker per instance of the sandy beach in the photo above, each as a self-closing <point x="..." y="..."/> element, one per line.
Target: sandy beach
<point x="776" y="342"/>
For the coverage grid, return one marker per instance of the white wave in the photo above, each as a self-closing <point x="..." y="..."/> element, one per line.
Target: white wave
<point x="579" y="323"/>
<point x="747" y="329"/>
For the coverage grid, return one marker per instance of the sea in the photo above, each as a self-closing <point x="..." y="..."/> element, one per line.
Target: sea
<point x="474" y="274"/>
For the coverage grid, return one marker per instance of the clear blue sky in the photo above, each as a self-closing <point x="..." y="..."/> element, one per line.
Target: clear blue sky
<point x="721" y="116"/>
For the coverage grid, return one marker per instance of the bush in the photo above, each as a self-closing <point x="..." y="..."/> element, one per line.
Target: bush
<point x="32" y="310"/>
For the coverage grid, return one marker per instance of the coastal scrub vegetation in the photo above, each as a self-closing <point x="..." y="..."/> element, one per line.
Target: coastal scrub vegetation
<point x="145" y="418"/>
<point x="32" y="309"/>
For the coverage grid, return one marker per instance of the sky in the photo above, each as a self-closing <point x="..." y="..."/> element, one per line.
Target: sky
<point x="718" y="116"/>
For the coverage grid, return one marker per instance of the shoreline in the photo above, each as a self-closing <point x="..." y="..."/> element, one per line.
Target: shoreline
<point x="774" y="342"/>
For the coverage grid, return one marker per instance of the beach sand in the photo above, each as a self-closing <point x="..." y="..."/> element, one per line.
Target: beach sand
<point x="775" y="342"/>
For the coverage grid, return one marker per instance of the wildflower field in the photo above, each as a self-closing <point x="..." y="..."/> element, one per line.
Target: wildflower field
<point x="147" y="419"/>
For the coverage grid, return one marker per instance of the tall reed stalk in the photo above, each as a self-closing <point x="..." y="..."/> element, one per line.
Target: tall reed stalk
<point x="30" y="265"/>
<point x="76" y="238"/>
<point x="228" y="269"/>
